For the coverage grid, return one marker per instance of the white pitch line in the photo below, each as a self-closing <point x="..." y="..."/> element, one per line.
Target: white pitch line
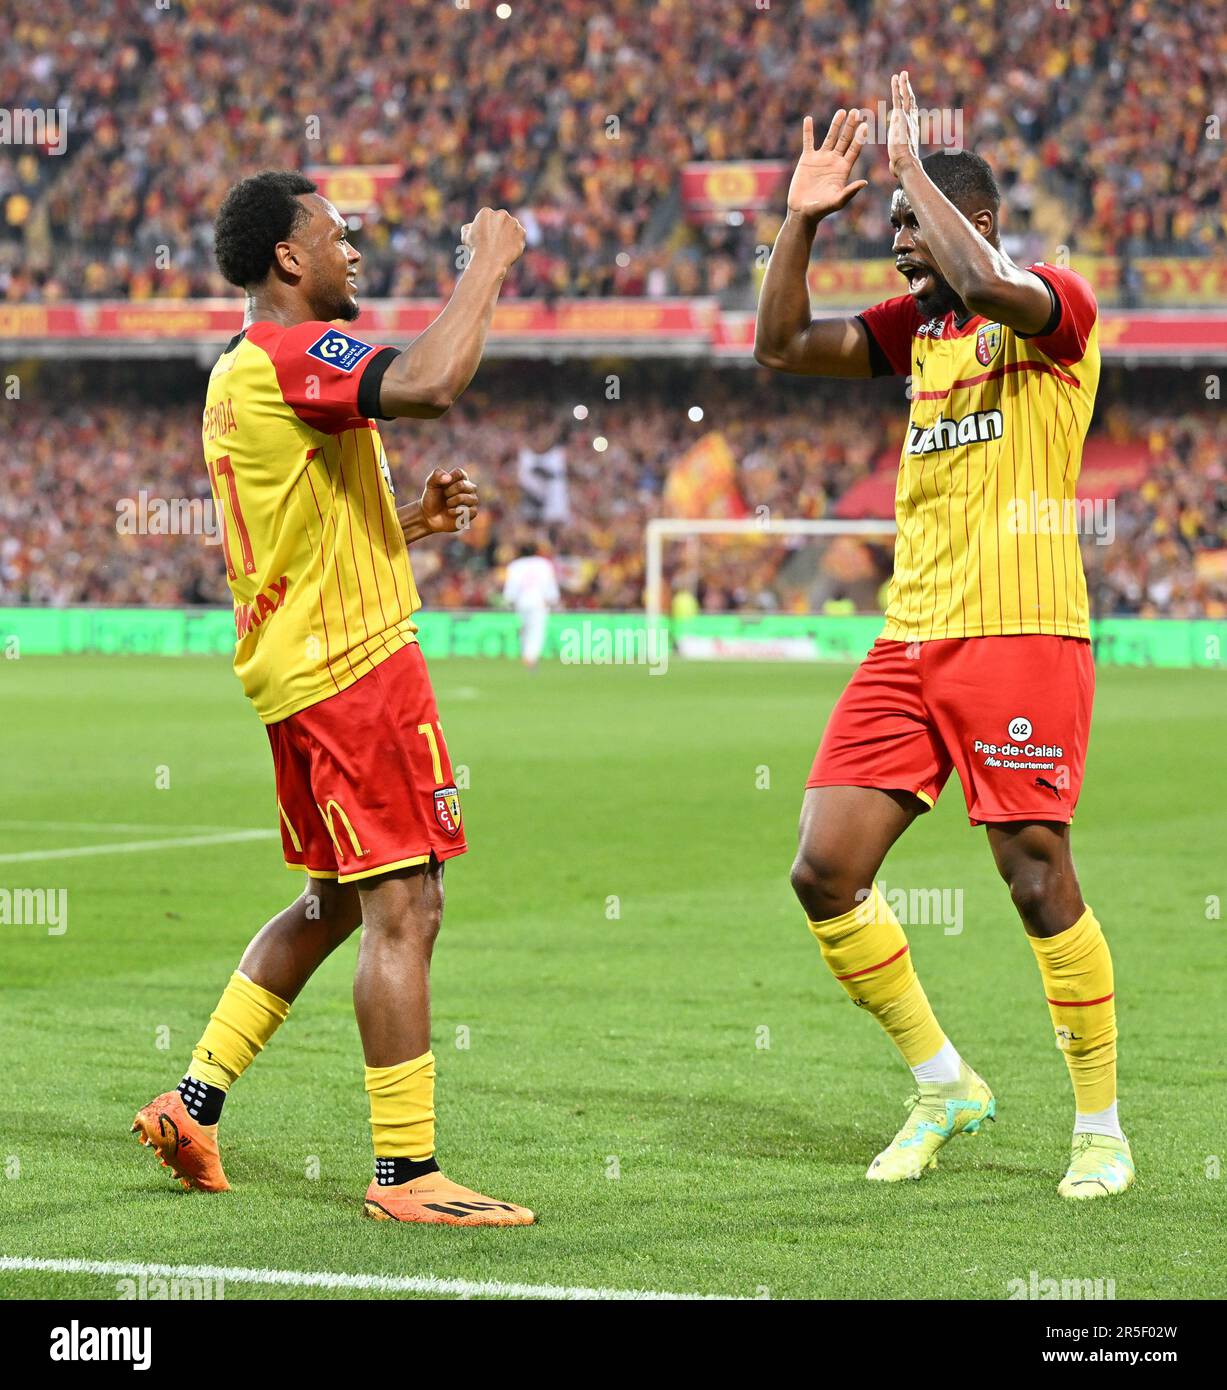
<point x="323" y="1279"/>
<point x="232" y="837"/>
<point x="102" y="825"/>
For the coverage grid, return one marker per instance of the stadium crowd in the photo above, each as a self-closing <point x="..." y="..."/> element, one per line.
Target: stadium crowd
<point x="73" y="479"/>
<point x="579" y="117"/>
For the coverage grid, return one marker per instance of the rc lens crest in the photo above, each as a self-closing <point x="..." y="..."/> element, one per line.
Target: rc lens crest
<point x="447" y="809"/>
<point x="988" y="343"/>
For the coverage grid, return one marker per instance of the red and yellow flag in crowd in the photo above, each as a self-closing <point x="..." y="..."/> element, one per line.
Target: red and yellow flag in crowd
<point x="702" y="482"/>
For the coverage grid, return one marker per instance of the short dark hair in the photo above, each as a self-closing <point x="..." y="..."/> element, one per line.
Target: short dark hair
<point x="964" y="178"/>
<point x="254" y="216"/>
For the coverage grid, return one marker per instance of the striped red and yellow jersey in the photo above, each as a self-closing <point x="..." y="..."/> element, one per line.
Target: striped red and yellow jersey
<point x="985" y="499"/>
<point x="315" y="557"/>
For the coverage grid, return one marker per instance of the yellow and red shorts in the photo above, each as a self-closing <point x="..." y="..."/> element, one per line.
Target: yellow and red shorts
<point x="364" y="781"/>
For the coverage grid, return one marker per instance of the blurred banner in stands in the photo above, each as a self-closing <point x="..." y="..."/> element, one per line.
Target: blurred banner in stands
<point x="529" y="327"/>
<point x="355" y="189"/>
<point x="724" y="192"/>
<point x="1148" y="282"/>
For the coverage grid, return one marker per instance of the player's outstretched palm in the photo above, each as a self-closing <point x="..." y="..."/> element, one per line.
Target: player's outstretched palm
<point x="903" y="132"/>
<point x="820" y="183"/>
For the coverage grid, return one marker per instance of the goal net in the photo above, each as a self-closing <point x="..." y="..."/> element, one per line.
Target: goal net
<point x="777" y="584"/>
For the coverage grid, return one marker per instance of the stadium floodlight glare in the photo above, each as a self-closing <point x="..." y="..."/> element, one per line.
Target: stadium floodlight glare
<point x="672" y="528"/>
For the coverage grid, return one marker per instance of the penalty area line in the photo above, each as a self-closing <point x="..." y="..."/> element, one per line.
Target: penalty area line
<point x="324" y="1279"/>
<point x="233" y="837"/>
<point x="110" y="827"/>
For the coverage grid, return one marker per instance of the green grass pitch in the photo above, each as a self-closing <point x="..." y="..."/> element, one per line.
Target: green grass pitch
<point x="616" y="1077"/>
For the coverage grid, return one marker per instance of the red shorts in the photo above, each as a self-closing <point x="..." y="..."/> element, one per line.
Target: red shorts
<point x="364" y="783"/>
<point x="1012" y="714"/>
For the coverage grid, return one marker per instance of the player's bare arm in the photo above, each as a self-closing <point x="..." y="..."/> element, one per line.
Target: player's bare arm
<point x="429" y="375"/>
<point x="965" y="250"/>
<point x="786" y="336"/>
<point x="448" y="504"/>
<point x="314" y="275"/>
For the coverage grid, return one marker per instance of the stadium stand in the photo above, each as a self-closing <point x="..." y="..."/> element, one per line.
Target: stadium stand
<point x="578" y="118"/>
<point x="1155" y="452"/>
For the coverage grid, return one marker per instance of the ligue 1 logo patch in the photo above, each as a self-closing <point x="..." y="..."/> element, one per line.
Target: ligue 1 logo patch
<point x="988" y="341"/>
<point x="339" y="350"/>
<point x="447" y="810"/>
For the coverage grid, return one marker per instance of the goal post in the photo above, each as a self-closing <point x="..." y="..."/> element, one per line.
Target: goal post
<point x="661" y="529"/>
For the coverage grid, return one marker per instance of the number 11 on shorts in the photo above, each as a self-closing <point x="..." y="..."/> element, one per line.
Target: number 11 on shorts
<point x="428" y="732"/>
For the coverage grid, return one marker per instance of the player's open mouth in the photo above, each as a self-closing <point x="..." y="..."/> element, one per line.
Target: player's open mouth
<point x="919" y="277"/>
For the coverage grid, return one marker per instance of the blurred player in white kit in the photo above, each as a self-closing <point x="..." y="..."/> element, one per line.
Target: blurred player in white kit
<point x="531" y="588"/>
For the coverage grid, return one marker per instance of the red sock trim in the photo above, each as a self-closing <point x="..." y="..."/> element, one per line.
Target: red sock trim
<point x="1081" y="1003"/>
<point x="880" y="965"/>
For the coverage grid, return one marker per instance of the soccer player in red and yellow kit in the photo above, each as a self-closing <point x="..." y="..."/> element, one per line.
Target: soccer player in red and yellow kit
<point x="316" y="554"/>
<point x="984" y="665"/>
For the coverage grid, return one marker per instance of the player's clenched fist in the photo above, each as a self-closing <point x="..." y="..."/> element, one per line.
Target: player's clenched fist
<point x="449" y="500"/>
<point x="820" y="183"/>
<point x="494" y="234"/>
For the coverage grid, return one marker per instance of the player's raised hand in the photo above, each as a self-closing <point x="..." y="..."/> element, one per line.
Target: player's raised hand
<point x="494" y="235"/>
<point x="449" y="500"/>
<point x="903" y="131"/>
<point x="820" y="182"/>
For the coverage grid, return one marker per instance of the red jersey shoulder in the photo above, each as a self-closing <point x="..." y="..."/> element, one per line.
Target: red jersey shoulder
<point x="319" y="370"/>
<point x="1076" y="309"/>
<point x="893" y="324"/>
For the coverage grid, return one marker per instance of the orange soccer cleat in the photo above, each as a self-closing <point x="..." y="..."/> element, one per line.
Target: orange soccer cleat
<point x="435" y="1198"/>
<point x="188" y="1149"/>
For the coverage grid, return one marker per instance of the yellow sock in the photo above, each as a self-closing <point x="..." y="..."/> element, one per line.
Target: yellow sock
<point x="1076" y="968"/>
<point x="245" y="1018"/>
<point x="403" y="1108"/>
<point x="868" y="954"/>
